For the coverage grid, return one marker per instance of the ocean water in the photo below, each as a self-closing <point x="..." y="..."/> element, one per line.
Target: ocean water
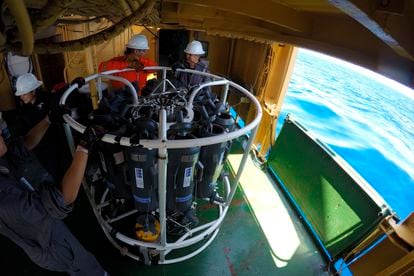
<point x="368" y="121"/>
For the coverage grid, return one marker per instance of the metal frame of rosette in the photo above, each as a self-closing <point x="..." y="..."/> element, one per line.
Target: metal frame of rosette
<point x="205" y="232"/>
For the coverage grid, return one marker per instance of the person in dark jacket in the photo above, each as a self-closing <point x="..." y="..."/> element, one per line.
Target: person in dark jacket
<point x="193" y="53"/>
<point x="34" y="105"/>
<point x="33" y="218"/>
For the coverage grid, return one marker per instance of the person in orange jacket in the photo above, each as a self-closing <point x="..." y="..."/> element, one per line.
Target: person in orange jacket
<point x="136" y="48"/>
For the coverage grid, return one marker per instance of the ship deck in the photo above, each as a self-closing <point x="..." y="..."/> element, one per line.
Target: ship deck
<point x="261" y="235"/>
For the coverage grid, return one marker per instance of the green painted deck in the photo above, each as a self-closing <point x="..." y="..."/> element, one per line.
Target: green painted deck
<point x="261" y="235"/>
<point x="341" y="207"/>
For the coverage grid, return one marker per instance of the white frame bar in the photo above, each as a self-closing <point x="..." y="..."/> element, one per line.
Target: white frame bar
<point x="207" y="231"/>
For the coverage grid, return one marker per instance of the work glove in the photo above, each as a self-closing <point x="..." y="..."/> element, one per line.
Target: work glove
<point x="135" y="139"/>
<point x="53" y="99"/>
<point x="56" y="114"/>
<point x="90" y="136"/>
<point x="79" y="81"/>
<point x="176" y="66"/>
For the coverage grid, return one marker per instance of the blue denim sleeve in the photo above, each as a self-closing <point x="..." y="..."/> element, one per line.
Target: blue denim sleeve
<point x="53" y="203"/>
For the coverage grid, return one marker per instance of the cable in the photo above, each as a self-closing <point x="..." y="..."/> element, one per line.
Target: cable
<point x="3" y="75"/>
<point x="256" y="159"/>
<point x="156" y="36"/>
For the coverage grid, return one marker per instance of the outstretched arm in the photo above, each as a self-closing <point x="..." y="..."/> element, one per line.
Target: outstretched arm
<point x="73" y="177"/>
<point x="36" y="133"/>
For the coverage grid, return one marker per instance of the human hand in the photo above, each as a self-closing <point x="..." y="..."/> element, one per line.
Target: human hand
<point x="137" y="65"/>
<point x="79" y="81"/>
<point x="90" y="136"/>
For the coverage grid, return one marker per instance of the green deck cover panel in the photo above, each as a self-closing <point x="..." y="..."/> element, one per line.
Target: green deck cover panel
<point x="334" y="204"/>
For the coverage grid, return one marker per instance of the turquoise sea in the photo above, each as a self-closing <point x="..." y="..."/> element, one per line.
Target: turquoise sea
<point x="364" y="118"/>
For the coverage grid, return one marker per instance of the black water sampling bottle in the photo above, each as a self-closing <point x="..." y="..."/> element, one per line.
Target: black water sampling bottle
<point x="211" y="158"/>
<point x="142" y="168"/>
<point x="113" y="168"/>
<point x="180" y="175"/>
<point x="112" y="160"/>
<point x="227" y="122"/>
<point x="143" y="177"/>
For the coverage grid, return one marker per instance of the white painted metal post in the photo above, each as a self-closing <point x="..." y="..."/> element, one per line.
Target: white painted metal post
<point x="162" y="180"/>
<point x="225" y="93"/>
<point x="99" y="84"/>
<point x="242" y="163"/>
<point x="69" y="138"/>
<point x="164" y="76"/>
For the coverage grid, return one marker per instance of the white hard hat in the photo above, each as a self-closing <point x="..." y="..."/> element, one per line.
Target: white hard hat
<point x="138" y="42"/>
<point x="194" y="48"/>
<point x="26" y="83"/>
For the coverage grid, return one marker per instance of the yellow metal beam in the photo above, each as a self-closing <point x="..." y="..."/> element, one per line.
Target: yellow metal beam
<point x="267" y="11"/>
<point x="404" y="266"/>
<point x="18" y="10"/>
<point x="333" y="40"/>
<point x="338" y="35"/>
<point x="394" y="30"/>
<point x="394" y="255"/>
<point x="273" y="93"/>
<point x="6" y="94"/>
<point x="284" y="57"/>
<point x="208" y="18"/>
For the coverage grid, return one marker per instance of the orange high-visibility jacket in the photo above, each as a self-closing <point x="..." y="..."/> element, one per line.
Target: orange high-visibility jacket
<point x="121" y="62"/>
